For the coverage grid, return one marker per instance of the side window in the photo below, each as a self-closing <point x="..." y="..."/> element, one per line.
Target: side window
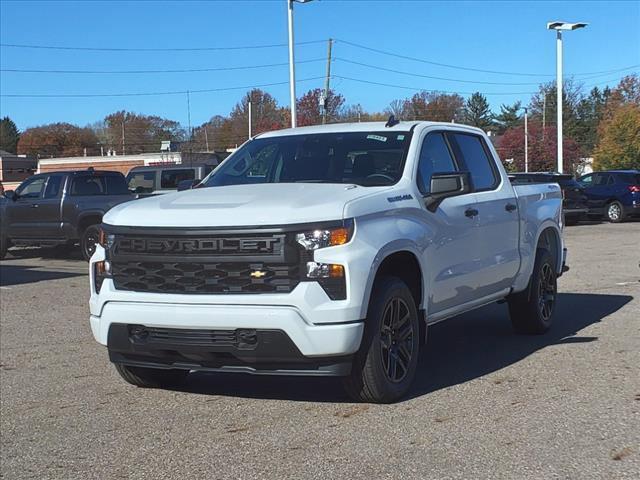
<point x="586" y="181"/>
<point x="53" y="186"/>
<point x="611" y="180"/>
<point x="476" y="160"/>
<point x="142" y="182"/>
<point x="435" y="157"/>
<point x="170" y="178"/>
<point x="600" y="179"/>
<point x="31" y="188"/>
<point x="88" y="185"/>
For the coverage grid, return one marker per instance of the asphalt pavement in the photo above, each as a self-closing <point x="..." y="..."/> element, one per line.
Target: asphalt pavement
<point x="486" y="404"/>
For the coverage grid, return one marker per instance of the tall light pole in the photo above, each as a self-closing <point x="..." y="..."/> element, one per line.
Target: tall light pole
<point x="292" y="66"/>
<point x="559" y="27"/>
<point x="526" y="141"/>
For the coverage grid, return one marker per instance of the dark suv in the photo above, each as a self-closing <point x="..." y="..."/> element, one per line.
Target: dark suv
<point x="574" y="200"/>
<point x="614" y="194"/>
<point x="60" y="208"/>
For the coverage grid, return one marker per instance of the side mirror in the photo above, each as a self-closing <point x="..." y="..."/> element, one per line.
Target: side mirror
<point x="188" y="184"/>
<point x="11" y="195"/>
<point x="445" y="185"/>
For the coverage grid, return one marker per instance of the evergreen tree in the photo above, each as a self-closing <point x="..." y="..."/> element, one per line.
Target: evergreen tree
<point x="476" y="112"/>
<point x="9" y="135"/>
<point x="509" y="117"/>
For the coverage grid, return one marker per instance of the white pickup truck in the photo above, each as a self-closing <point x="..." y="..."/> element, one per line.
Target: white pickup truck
<point x="324" y="250"/>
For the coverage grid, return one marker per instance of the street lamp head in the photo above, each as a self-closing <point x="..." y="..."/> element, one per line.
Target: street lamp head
<point x="565" y="25"/>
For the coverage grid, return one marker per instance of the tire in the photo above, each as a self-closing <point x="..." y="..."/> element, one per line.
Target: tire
<point x="531" y="310"/>
<point x="151" y="377"/>
<point x="385" y="366"/>
<point x="88" y="241"/>
<point x="614" y="212"/>
<point x="571" y="221"/>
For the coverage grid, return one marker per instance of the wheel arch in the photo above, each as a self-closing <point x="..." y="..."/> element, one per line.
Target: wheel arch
<point x="400" y="259"/>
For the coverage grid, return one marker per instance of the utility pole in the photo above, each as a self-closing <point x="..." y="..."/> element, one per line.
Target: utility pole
<point x="325" y="99"/>
<point x="206" y="137"/>
<point x="526" y="141"/>
<point x="123" y="151"/>
<point x="249" y="104"/>
<point x="189" y="116"/>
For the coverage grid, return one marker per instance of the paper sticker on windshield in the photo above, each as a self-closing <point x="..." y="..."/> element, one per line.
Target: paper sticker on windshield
<point x="377" y="137"/>
<point x="400" y="138"/>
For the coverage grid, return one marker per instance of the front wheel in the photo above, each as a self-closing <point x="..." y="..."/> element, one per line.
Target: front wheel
<point x="90" y="237"/>
<point x="614" y="212"/>
<point x="531" y="310"/>
<point x="151" y="377"/>
<point x="384" y="367"/>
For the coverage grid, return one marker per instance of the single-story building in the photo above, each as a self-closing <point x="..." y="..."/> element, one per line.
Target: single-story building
<point x="14" y="169"/>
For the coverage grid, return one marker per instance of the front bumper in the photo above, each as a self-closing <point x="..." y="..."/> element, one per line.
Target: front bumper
<point x="256" y="351"/>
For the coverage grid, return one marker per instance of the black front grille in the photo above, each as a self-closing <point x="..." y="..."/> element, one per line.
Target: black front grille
<point x="211" y="277"/>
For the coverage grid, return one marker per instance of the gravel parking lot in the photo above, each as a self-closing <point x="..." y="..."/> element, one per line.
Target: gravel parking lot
<point x="486" y="404"/>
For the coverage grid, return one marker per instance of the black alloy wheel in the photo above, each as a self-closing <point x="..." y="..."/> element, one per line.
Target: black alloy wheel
<point x="396" y="339"/>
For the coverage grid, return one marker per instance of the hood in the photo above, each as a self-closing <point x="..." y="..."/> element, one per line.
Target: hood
<point x="240" y="205"/>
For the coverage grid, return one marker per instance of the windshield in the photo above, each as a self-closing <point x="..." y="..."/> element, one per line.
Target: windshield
<point x="363" y="158"/>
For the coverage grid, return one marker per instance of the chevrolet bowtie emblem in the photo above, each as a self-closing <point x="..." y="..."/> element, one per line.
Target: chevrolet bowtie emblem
<point x="258" y="274"/>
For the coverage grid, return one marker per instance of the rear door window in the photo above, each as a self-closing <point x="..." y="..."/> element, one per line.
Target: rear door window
<point x="435" y="157"/>
<point x="88" y="185"/>
<point x="475" y="156"/>
<point x="169" y="179"/>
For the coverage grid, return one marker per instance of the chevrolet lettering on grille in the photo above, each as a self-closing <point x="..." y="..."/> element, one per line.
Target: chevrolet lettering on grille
<point x="200" y="245"/>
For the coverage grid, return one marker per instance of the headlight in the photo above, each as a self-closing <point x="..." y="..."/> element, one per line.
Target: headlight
<point x="102" y="269"/>
<point x="326" y="237"/>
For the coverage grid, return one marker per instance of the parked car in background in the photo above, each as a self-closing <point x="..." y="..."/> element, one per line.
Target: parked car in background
<point x="613" y="194"/>
<point x="574" y="201"/>
<point x="60" y="208"/>
<point x="158" y="179"/>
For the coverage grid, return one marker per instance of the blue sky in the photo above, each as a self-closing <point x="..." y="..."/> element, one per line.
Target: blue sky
<point x="507" y="36"/>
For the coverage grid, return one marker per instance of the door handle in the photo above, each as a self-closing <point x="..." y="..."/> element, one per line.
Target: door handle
<point x="471" y="212"/>
<point x="510" y="207"/>
<point x="35" y="205"/>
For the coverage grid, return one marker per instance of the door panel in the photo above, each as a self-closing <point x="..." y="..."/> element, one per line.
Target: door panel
<point x="497" y="249"/>
<point x="452" y="259"/>
<point x="22" y="214"/>
<point x="452" y="255"/>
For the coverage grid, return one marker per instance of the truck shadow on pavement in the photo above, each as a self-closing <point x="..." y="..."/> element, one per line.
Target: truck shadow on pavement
<point x="11" y="275"/>
<point x="458" y="350"/>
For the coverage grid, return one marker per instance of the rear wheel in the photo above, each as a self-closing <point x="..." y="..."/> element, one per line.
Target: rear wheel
<point x="531" y="311"/>
<point x="90" y="237"/>
<point x="614" y="212"/>
<point x="386" y="363"/>
<point x="151" y="377"/>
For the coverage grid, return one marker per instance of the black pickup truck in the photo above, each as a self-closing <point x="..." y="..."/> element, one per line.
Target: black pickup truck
<point x="60" y="208"/>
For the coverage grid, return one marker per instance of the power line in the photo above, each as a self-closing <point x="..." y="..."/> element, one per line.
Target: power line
<point x="146" y="94"/>
<point x="405" y="87"/>
<point x="458" y="67"/>
<point x="193" y="70"/>
<point x="154" y="49"/>
<point x="478" y="82"/>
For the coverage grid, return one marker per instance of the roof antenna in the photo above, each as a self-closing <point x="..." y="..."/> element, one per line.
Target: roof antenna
<point x="392" y="121"/>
